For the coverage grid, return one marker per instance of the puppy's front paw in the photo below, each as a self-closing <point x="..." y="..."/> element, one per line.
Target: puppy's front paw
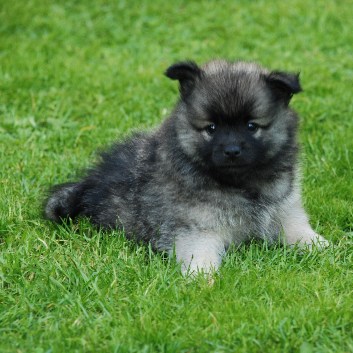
<point x="199" y="253"/>
<point x="320" y="242"/>
<point x="199" y="266"/>
<point x="310" y="241"/>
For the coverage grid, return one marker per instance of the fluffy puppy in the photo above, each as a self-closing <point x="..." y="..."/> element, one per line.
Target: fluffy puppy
<point x="221" y="169"/>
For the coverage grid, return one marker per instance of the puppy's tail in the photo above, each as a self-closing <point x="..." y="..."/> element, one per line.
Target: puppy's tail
<point x="64" y="202"/>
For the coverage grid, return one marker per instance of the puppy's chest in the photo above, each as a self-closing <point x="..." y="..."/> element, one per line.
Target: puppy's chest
<point x="234" y="219"/>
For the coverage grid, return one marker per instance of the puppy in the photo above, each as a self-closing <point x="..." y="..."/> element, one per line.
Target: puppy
<point x="221" y="169"/>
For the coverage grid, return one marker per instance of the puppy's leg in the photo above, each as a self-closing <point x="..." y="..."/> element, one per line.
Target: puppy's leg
<point x="199" y="252"/>
<point x="296" y="227"/>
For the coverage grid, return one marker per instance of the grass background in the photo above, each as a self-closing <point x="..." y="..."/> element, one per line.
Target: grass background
<point x="74" y="76"/>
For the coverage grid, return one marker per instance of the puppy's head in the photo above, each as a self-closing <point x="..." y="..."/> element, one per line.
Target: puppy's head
<point x="234" y="117"/>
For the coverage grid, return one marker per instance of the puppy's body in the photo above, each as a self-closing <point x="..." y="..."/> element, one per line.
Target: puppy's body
<point x="221" y="169"/>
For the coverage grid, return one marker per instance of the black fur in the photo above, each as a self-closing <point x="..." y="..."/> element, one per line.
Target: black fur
<point x="187" y="72"/>
<point x="284" y="84"/>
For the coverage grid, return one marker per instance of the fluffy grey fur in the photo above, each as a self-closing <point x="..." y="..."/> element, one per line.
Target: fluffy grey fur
<point x="221" y="169"/>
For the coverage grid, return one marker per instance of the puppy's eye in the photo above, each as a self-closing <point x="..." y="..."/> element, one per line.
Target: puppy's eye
<point x="252" y="127"/>
<point x="211" y="129"/>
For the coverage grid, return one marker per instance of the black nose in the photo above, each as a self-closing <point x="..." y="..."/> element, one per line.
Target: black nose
<point x="232" y="151"/>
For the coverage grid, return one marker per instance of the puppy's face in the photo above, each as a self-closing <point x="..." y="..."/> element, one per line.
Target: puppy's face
<point x="234" y="117"/>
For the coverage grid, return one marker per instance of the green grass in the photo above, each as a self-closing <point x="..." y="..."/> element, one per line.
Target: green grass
<point x="74" y="76"/>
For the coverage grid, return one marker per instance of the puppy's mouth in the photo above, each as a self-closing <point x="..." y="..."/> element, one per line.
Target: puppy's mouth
<point x="233" y="167"/>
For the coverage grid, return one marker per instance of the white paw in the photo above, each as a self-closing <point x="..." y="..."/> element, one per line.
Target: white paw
<point x="311" y="241"/>
<point x="199" y="266"/>
<point x="199" y="253"/>
<point x="320" y="242"/>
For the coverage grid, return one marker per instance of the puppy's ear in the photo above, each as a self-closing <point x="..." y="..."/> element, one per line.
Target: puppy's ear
<point x="186" y="72"/>
<point x="284" y="84"/>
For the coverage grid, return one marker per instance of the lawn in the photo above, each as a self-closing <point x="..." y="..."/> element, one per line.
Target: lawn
<point x="75" y="76"/>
